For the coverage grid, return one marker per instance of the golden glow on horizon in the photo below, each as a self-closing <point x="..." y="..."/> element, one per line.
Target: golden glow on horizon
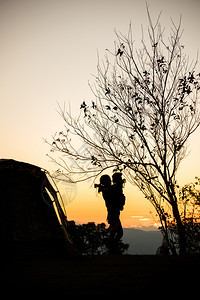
<point x="89" y="206"/>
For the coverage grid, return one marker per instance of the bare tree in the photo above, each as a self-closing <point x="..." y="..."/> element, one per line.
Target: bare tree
<point x="146" y="107"/>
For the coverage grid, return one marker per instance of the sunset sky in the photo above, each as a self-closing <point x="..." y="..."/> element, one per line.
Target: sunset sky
<point x="48" y="53"/>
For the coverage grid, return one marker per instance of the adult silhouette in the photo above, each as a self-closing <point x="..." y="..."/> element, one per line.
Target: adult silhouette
<point x="114" y="201"/>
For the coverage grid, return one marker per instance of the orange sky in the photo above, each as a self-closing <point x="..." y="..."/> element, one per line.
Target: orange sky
<point x="48" y="53"/>
<point x="86" y="205"/>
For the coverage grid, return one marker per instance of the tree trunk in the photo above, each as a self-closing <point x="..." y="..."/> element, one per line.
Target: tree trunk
<point x="181" y="229"/>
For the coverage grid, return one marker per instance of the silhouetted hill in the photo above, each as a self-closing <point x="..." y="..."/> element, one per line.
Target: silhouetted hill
<point x="142" y="242"/>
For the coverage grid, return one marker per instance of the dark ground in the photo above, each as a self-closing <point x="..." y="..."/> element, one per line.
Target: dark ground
<point x="33" y="272"/>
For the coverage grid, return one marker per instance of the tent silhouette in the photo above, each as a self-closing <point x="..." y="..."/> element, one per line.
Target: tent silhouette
<point x="30" y="210"/>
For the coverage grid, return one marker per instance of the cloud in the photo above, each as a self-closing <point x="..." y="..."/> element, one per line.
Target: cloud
<point x="136" y="217"/>
<point x="141" y="218"/>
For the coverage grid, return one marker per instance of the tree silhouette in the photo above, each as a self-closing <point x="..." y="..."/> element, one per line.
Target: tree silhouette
<point x="189" y="203"/>
<point x="92" y="239"/>
<point x="146" y="107"/>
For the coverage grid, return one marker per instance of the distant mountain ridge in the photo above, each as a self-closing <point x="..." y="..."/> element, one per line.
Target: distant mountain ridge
<point x="142" y="242"/>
